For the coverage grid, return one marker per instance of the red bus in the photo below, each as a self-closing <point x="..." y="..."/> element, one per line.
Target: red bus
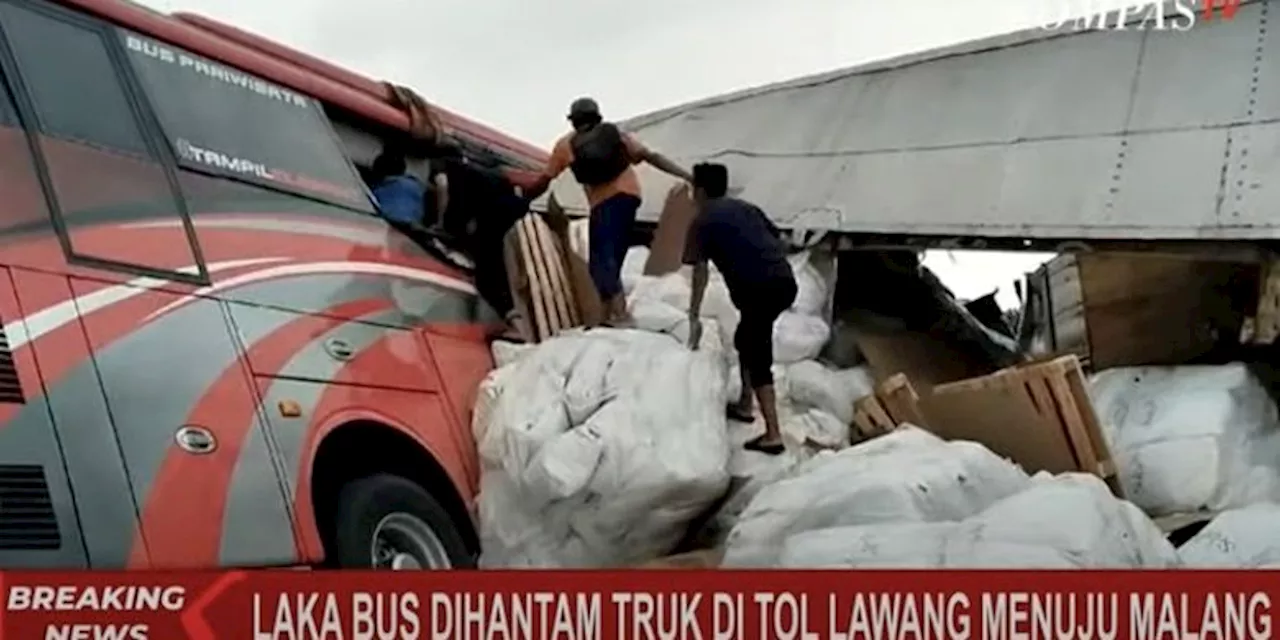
<point x="215" y="353"/>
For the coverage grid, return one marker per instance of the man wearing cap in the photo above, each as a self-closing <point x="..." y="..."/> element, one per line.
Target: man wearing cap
<point x="600" y="156"/>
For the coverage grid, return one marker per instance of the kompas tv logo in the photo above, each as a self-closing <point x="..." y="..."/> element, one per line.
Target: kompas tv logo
<point x="1154" y="15"/>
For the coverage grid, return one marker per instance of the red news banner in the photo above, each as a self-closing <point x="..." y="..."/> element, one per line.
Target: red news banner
<point x="663" y="605"/>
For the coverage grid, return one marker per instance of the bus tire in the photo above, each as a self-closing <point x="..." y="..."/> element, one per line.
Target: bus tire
<point x="387" y="522"/>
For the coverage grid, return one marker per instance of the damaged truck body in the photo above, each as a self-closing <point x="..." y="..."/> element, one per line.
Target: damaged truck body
<point x="1147" y="158"/>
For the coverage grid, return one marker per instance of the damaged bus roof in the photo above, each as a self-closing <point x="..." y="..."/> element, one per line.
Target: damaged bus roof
<point x="1134" y="134"/>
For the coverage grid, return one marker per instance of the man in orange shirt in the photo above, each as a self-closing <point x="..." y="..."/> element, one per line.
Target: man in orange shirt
<point x="600" y="156"/>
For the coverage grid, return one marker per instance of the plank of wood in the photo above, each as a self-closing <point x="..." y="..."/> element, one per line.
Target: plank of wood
<point x="552" y="255"/>
<point x="880" y="419"/>
<point x="1107" y="467"/>
<point x="901" y="401"/>
<point x="1069" y="412"/>
<point x="575" y="236"/>
<point x="1001" y="412"/>
<point x="518" y="281"/>
<point x="1266" y="320"/>
<point x="1143" y="310"/>
<point x="666" y="250"/>
<point x="532" y="266"/>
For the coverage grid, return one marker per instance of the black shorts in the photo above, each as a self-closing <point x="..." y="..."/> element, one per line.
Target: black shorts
<point x="760" y="308"/>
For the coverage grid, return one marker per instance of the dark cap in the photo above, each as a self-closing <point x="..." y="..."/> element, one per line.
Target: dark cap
<point x="584" y="107"/>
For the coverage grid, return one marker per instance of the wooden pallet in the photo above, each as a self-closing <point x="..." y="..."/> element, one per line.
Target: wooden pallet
<point x="894" y="403"/>
<point x="541" y="278"/>
<point x="1037" y="414"/>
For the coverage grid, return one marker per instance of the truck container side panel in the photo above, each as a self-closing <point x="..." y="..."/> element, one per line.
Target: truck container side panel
<point x="39" y="523"/>
<point x="1097" y="134"/>
<point x="1252" y="188"/>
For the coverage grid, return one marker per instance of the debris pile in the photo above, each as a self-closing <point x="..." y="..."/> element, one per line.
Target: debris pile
<point x="944" y="443"/>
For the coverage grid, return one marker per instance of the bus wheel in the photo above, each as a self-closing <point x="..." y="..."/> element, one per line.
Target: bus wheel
<point x="387" y="522"/>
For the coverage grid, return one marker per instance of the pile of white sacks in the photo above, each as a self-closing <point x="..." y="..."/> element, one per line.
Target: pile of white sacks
<point x="911" y="500"/>
<point x="1186" y="439"/>
<point x="1199" y="439"/>
<point x="1190" y="438"/>
<point x="601" y="448"/>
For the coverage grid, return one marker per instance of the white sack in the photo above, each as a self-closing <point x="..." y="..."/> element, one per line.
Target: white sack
<point x="633" y="267"/>
<point x="1190" y="438"/>
<point x="909" y="475"/>
<point x="798" y="337"/>
<point x="661" y="304"/>
<point x="598" y="449"/>
<point x="806" y="430"/>
<point x="1066" y="522"/>
<point x="1247" y="538"/>
<point x="811" y="384"/>
<point x="812" y="292"/>
<point x="504" y="353"/>
<point x="1074" y="516"/>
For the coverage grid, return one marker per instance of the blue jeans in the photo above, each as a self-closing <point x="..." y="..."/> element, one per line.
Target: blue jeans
<point x="609" y="233"/>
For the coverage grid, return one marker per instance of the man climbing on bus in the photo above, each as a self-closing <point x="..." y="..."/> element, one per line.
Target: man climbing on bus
<point x="600" y="156"/>
<point x="400" y="195"/>
<point x="746" y="247"/>
<point x="477" y="206"/>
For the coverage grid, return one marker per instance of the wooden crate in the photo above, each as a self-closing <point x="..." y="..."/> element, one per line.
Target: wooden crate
<point x="1117" y="309"/>
<point x="1038" y="415"/>
<point x="550" y="283"/>
<point x="541" y="284"/>
<point x="894" y="403"/>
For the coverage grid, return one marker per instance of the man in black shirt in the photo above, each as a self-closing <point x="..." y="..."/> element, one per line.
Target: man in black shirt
<point x="478" y="206"/>
<point x="746" y="247"/>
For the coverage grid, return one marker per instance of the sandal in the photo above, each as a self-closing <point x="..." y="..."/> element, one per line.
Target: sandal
<point x="758" y="444"/>
<point x="732" y="412"/>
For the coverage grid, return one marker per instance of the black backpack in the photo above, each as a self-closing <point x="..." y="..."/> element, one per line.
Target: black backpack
<point x="599" y="154"/>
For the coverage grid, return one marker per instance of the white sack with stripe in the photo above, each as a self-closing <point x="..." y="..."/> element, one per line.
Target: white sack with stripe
<point x="598" y="449"/>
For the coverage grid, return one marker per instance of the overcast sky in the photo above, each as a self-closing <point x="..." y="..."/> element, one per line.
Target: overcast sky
<point x="516" y="64"/>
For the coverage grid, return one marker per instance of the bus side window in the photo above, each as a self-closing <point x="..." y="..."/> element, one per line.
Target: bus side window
<point x="101" y="167"/>
<point x="227" y="123"/>
<point x="24" y="202"/>
<point x="72" y="83"/>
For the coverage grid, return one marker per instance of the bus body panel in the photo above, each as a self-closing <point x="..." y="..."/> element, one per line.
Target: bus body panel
<point x="39" y="524"/>
<point x="142" y="295"/>
<point x="46" y="332"/>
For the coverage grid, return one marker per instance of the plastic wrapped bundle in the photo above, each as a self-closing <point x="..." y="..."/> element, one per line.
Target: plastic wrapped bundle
<point x="598" y="449"/>
<point x="906" y="476"/>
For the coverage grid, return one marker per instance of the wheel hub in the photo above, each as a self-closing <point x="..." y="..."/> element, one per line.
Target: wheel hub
<point x="403" y="542"/>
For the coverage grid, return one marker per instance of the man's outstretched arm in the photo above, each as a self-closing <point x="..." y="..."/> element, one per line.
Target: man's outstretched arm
<point x="667" y="166"/>
<point x="641" y="153"/>
<point x="556" y="164"/>
<point x="538" y="187"/>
